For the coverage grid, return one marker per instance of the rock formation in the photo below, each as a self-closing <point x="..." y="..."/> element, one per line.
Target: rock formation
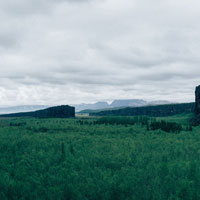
<point x="197" y="100"/>
<point x="196" y="119"/>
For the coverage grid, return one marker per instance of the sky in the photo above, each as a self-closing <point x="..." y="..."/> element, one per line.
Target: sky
<point x="81" y="51"/>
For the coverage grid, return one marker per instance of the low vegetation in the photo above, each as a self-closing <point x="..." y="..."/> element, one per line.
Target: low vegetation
<point x="106" y="158"/>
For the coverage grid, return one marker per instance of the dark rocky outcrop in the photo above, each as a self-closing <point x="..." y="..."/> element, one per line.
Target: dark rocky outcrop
<point x="196" y="119"/>
<point x="197" y="100"/>
<point x="63" y="111"/>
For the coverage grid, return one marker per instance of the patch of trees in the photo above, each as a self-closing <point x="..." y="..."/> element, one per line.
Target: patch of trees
<point x="166" y="126"/>
<point x="52" y="112"/>
<point x="17" y="123"/>
<point x="151" y="124"/>
<point x="154" y="111"/>
<point x="115" y="120"/>
<point x="38" y="130"/>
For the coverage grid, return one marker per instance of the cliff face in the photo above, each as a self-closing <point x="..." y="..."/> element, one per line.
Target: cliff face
<point x="197" y="100"/>
<point x="196" y="119"/>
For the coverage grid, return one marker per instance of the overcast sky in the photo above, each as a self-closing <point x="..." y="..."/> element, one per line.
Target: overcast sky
<point x="74" y="51"/>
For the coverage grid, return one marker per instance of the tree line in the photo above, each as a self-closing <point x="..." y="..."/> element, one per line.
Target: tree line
<point x="153" y="111"/>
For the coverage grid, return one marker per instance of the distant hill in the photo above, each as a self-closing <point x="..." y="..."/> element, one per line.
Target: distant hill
<point x="25" y="108"/>
<point x="154" y="111"/>
<point x="63" y="111"/>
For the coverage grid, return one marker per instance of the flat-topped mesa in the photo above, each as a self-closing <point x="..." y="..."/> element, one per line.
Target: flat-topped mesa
<point x="63" y="111"/>
<point x="197" y="100"/>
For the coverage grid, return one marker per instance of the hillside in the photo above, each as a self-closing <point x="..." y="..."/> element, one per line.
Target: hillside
<point x="154" y="111"/>
<point x="52" y="112"/>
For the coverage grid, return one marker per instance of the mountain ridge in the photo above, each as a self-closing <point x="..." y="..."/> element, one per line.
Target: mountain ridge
<point x="117" y="103"/>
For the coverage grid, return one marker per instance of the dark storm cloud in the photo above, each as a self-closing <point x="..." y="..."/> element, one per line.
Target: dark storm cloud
<point x="71" y="51"/>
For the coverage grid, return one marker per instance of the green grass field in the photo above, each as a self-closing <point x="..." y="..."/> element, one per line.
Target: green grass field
<point x="77" y="159"/>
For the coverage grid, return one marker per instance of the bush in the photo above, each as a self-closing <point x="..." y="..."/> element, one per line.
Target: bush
<point x="166" y="126"/>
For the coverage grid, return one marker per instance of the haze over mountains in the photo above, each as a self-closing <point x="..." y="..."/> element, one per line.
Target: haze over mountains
<point x="24" y="108"/>
<point x="117" y="104"/>
<point x="83" y="106"/>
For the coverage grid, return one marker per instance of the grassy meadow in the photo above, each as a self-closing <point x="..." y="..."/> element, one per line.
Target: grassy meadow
<point x="108" y="158"/>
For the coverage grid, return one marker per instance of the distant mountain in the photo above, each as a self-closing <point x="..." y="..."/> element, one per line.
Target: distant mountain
<point x="80" y="107"/>
<point x="26" y="108"/>
<point x="128" y="103"/>
<point x="161" y="102"/>
<point x="94" y="106"/>
<point x="120" y="103"/>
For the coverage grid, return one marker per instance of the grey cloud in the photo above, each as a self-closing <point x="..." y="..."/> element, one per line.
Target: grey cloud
<point x="65" y="51"/>
<point x="30" y="7"/>
<point x="7" y="41"/>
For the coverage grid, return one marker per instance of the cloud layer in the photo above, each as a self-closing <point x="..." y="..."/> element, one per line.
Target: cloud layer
<point x="73" y="51"/>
